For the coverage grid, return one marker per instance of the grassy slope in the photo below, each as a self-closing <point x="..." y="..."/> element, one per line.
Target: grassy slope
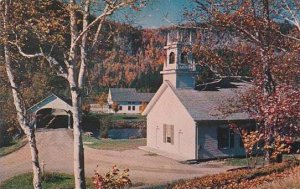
<point x="14" y="146"/>
<point x="114" y="144"/>
<point x="50" y="181"/>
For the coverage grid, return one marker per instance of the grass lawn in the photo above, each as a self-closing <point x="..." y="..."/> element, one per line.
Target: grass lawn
<point x="126" y="117"/>
<point x="13" y="146"/>
<point x="243" y="161"/>
<point x="50" y="181"/>
<point x="114" y="144"/>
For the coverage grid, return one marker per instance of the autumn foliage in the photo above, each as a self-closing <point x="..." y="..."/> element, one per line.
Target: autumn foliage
<point x="277" y="115"/>
<point x="112" y="179"/>
<point x="251" y="39"/>
<point x="115" y="106"/>
<point x="240" y="179"/>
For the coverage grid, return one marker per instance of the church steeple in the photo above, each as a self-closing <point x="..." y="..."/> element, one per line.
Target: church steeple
<point x="179" y="67"/>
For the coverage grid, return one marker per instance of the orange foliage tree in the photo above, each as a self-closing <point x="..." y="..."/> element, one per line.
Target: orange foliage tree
<point x="268" y="50"/>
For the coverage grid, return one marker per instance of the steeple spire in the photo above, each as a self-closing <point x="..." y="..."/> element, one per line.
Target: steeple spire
<point x="179" y="68"/>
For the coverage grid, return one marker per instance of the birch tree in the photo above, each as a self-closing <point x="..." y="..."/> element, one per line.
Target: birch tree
<point x="24" y="119"/>
<point x="72" y="66"/>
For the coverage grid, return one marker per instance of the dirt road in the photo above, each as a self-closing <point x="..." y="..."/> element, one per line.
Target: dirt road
<point x="56" y="150"/>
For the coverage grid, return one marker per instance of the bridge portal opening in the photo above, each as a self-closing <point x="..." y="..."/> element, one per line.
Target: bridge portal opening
<point x="50" y="118"/>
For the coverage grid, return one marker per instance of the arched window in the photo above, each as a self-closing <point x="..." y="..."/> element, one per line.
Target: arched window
<point x="171" y="58"/>
<point x="184" y="58"/>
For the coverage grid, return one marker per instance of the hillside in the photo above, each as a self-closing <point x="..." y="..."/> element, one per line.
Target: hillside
<point x="131" y="57"/>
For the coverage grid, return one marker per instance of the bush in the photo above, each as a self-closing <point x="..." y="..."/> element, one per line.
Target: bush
<point x="97" y="122"/>
<point x="105" y="124"/>
<point x="90" y="122"/>
<point x="5" y="138"/>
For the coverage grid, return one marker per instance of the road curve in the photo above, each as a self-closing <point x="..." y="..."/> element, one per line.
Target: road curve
<point x="56" y="150"/>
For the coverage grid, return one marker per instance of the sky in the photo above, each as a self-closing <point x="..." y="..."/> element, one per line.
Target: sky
<point x="159" y="13"/>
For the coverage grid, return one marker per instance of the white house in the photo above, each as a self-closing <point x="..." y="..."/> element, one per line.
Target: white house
<point x="186" y="123"/>
<point x="128" y="100"/>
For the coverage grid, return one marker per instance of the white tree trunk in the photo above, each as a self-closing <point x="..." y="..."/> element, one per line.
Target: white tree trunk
<point x="79" y="174"/>
<point x="22" y="116"/>
<point x="24" y="123"/>
<point x="83" y="49"/>
<point x="78" y="145"/>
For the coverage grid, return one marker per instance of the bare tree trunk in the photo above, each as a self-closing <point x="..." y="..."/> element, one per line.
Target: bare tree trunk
<point x="83" y="49"/>
<point x="37" y="180"/>
<point x="78" y="145"/>
<point x="24" y="123"/>
<point x="79" y="173"/>
<point x="22" y="116"/>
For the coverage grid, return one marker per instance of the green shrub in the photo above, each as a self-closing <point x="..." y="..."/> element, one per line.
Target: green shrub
<point x="5" y="138"/>
<point x="105" y="124"/>
<point x="90" y="122"/>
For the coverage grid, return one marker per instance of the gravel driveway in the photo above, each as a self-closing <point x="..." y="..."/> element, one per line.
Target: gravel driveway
<point x="56" y="150"/>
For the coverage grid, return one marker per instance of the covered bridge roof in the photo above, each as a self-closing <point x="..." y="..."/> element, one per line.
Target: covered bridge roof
<point x="53" y="102"/>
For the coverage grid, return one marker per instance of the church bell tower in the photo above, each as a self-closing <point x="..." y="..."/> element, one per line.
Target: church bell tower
<point x="179" y="68"/>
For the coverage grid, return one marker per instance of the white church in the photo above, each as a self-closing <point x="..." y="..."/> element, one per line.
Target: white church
<point x="186" y="123"/>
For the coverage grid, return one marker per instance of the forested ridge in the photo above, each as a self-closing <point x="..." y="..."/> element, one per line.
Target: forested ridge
<point x="132" y="57"/>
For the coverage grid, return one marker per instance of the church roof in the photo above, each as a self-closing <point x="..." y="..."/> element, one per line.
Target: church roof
<point x="204" y="105"/>
<point x="129" y="95"/>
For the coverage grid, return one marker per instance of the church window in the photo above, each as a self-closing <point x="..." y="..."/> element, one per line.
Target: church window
<point x="168" y="132"/>
<point x="184" y="58"/>
<point x="172" y="58"/>
<point x="225" y="138"/>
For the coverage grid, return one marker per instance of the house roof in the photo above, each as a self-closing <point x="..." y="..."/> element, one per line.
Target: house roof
<point x="129" y="95"/>
<point x="204" y="105"/>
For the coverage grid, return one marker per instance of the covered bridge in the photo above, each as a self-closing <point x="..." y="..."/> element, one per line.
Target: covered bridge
<point x="52" y="112"/>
